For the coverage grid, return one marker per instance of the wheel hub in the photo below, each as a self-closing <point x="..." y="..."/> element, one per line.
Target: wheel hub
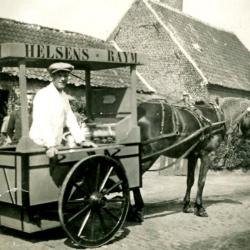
<point x="96" y="199"/>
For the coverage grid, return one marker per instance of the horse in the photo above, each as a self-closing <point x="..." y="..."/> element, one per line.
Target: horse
<point x="245" y="124"/>
<point x="191" y="132"/>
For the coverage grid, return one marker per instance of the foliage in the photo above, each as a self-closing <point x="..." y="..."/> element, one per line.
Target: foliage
<point x="233" y="154"/>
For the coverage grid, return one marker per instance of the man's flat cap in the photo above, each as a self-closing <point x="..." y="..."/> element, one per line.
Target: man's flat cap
<point x="60" y="66"/>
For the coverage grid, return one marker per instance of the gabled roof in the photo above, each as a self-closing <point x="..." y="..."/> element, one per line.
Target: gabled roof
<point x="167" y="70"/>
<point x="179" y="45"/>
<point x="14" y="31"/>
<point x="221" y="56"/>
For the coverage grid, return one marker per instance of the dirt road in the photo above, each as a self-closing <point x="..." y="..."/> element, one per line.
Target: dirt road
<point x="226" y="197"/>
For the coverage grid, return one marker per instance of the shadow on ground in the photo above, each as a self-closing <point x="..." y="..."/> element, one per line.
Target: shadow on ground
<point x="57" y="234"/>
<point x="166" y="208"/>
<point x="233" y="242"/>
<point x="151" y="210"/>
<point x="51" y="234"/>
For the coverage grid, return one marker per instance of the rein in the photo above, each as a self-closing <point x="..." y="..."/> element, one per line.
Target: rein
<point x="177" y="160"/>
<point x="196" y="133"/>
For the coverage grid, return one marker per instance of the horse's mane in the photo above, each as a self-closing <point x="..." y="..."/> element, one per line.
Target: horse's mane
<point x="233" y="107"/>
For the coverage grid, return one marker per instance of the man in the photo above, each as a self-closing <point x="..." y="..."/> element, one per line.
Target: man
<point x="14" y="128"/>
<point x="52" y="112"/>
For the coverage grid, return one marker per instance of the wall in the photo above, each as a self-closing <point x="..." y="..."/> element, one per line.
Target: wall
<point x="177" y="4"/>
<point x="222" y="92"/>
<point x="167" y="70"/>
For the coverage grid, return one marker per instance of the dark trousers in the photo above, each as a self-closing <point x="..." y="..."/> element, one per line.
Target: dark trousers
<point x="58" y="171"/>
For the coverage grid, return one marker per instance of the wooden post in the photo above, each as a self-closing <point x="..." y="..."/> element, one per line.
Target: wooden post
<point x="23" y="99"/>
<point x="133" y="95"/>
<point x="25" y="144"/>
<point x="88" y="94"/>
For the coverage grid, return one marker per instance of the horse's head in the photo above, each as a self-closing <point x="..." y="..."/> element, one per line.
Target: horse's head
<point x="244" y="124"/>
<point x="149" y="119"/>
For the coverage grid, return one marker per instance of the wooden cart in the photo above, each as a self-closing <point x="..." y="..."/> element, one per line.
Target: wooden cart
<point x="93" y="201"/>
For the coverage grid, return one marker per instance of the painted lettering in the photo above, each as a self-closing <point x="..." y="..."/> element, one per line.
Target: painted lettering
<point x="119" y="57"/>
<point x="29" y="50"/>
<point x="50" y="54"/>
<point x="133" y="57"/>
<point x="75" y="54"/>
<point x="41" y="51"/>
<point x="68" y="53"/>
<point x="85" y="54"/>
<point x="59" y="53"/>
<point x="126" y="56"/>
<point x="111" y="57"/>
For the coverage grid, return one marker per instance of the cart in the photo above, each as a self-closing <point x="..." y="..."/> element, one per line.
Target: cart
<point x="93" y="201"/>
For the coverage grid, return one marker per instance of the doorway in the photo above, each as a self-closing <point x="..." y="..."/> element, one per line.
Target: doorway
<point x="4" y="95"/>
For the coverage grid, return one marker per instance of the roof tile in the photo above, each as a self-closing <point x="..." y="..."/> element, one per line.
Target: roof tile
<point x="221" y="56"/>
<point x="14" y="31"/>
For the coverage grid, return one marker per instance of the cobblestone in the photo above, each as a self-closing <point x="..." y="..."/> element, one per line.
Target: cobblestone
<point x="226" y="197"/>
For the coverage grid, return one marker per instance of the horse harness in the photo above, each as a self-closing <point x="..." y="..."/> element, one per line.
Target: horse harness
<point x="206" y="130"/>
<point x="194" y="111"/>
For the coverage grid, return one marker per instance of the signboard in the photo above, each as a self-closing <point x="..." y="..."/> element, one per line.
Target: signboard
<point x="66" y="53"/>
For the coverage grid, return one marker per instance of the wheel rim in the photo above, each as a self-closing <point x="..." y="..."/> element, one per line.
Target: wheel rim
<point x="94" y="201"/>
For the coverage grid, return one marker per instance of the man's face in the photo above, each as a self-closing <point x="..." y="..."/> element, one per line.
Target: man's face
<point x="60" y="79"/>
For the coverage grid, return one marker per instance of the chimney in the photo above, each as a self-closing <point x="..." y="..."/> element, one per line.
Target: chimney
<point x="177" y="4"/>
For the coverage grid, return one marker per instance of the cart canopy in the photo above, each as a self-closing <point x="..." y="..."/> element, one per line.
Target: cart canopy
<point x="41" y="56"/>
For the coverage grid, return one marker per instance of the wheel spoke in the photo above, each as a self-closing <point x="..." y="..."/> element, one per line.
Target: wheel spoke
<point x="116" y="199"/>
<point x="77" y="214"/>
<point x="97" y="176"/>
<point x="111" y="214"/>
<point x="76" y="201"/>
<point x="84" y="223"/>
<point x="73" y="205"/>
<point x="113" y="187"/>
<point x="105" y="179"/>
<point x="79" y="188"/>
<point x="92" y="227"/>
<point x="103" y="225"/>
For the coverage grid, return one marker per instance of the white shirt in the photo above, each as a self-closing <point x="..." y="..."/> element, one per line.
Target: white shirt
<point x="51" y="113"/>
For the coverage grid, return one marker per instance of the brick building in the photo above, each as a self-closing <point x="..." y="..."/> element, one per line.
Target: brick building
<point x="184" y="53"/>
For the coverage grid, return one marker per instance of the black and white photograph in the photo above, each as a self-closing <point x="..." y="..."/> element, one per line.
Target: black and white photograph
<point x="125" y="124"/>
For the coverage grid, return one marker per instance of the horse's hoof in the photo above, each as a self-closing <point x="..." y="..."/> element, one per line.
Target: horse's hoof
<point x="201" y="212"/>
<point x="187" y="209"/>
<point x="135" y="215"/>
<point x="139" y="218"/>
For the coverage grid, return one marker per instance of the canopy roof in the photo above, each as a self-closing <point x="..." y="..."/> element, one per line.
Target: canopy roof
<point x="41" y="56"/>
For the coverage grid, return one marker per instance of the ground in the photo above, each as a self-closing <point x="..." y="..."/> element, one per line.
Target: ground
<point x="226" y="197"/>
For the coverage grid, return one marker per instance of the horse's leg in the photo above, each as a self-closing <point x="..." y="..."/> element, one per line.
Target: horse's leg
<point x="198" y="207"/>
<point x="139" y="205"/>
<point x="135" y="212"/>
<point x="192" y="160"/>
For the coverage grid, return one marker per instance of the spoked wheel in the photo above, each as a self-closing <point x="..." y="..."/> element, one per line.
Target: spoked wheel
<point x="94" y="200"/>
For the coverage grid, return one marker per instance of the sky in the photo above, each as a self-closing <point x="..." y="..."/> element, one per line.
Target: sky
<point x="98" y="18"/>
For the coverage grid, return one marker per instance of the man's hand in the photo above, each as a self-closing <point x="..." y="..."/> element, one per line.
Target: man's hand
<point x="88" y="144"/>
<point x="51" y="152"/>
